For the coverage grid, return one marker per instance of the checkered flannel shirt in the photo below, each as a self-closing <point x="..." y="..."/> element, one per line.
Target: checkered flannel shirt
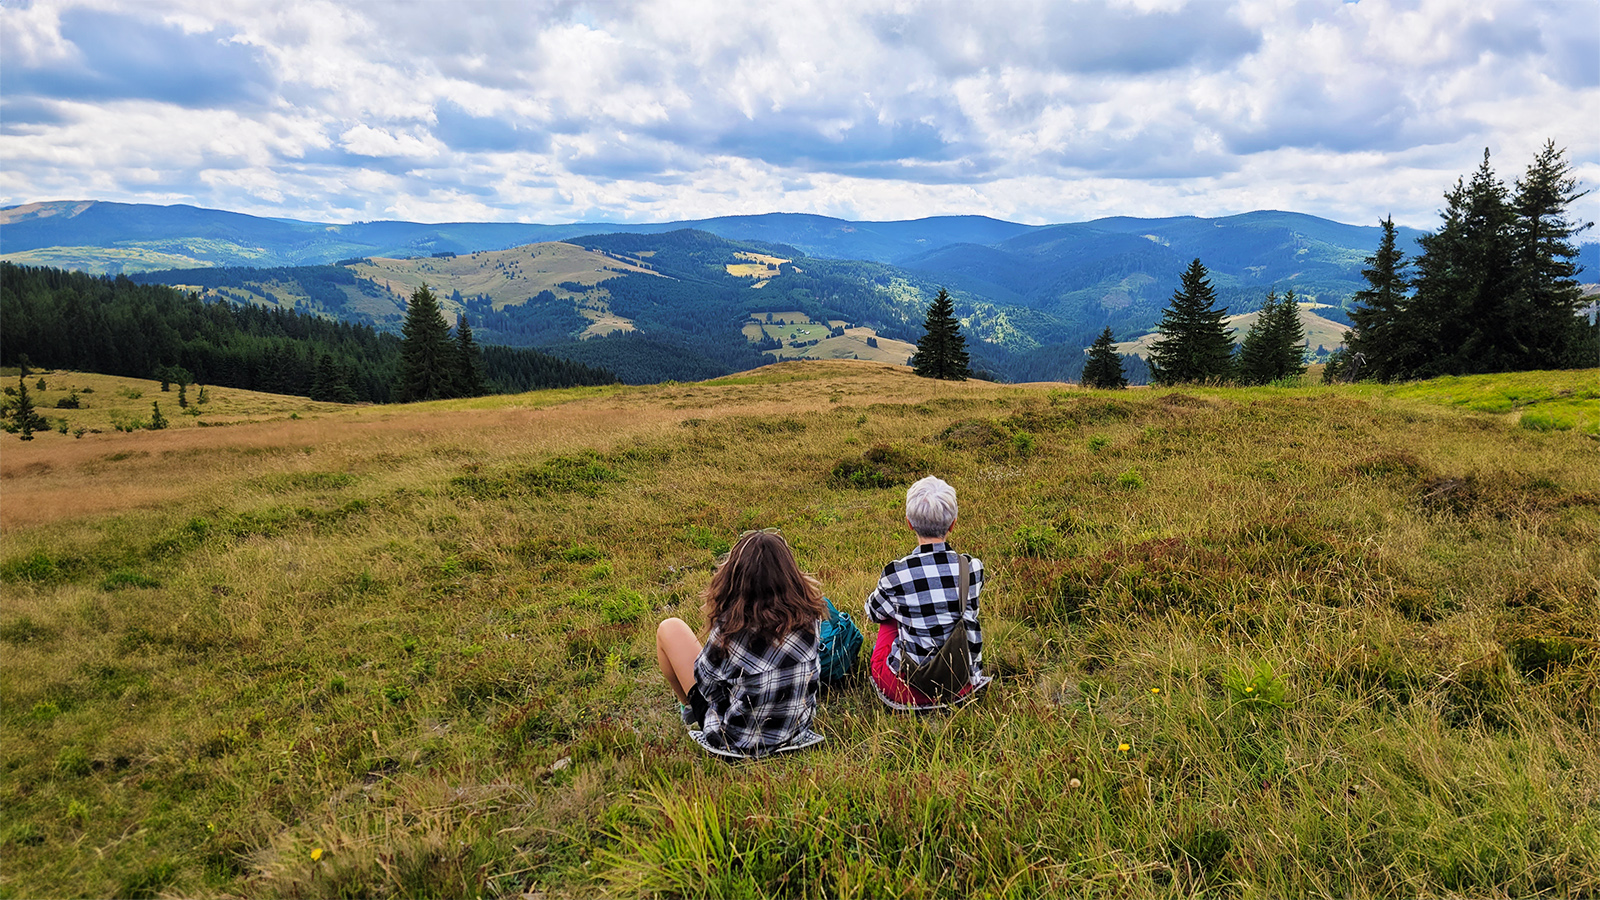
<point x="759" y="696"/>
<point x="918" y="592"/>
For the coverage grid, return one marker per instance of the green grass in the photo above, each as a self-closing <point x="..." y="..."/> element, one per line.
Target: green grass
<point x="1269" y="642"/>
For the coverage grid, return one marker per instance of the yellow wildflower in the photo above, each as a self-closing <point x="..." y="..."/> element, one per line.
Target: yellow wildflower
<point x="316" y="854"/>
<point x="1123" y="748"/>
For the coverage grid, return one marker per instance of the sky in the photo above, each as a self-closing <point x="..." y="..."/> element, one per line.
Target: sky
<point x="663" y="110"/>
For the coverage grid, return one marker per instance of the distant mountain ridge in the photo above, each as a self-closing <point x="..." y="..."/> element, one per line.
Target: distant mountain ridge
<point x="222" y="238"/>
<point x="1031" y="296"/>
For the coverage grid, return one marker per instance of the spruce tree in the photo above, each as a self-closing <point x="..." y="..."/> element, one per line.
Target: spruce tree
<point x="941" y="351"/>
<point x="1549" y="332"/>
<point x="24" y="414"/>
<point x="468" y="362"/>
<point x="1460" y="321"/>
<point x="1288" y="339"/>
<point x="157" y="420"/>
<point x="1195" y="344"/>
<point x="427" y="357"/>
<point x="1103" y="368"/>
<point x="1380" y="315"/>
<point x="1257" y="358"/>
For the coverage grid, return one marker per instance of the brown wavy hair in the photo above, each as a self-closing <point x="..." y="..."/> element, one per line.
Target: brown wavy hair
<point x="759" y="589"/>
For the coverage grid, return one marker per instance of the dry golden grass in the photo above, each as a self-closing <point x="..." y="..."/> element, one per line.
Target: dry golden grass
<point x="407" y="651"/>
<point x="507" y="277"/>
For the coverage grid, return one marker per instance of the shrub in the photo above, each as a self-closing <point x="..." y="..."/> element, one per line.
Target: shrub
<point x="880" y="467"/>
<point x="122" y="578"/>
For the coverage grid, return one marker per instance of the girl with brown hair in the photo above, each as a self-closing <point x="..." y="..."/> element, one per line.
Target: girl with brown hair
<point x="752" y="689"/>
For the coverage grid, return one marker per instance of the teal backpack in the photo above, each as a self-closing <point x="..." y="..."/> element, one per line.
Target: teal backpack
<point x="840" y="642"/>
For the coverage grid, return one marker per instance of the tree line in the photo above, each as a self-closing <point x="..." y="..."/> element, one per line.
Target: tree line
<point x="1494" y="290"/>
<point x="115" y="326"/>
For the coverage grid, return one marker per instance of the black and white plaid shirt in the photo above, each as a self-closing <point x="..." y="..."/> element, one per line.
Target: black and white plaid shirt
<point x="918" y="592"/>
<point x="759" y="696"/>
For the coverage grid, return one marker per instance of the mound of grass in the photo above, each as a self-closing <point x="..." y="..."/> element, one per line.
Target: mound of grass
<point x="880" y="467"/>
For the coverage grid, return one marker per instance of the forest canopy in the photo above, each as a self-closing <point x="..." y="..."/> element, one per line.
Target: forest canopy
<point x="115" y="326"/>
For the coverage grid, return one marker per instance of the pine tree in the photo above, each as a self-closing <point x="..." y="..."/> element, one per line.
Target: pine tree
<point x="468" y="362"/>
<point x="1103" y="369"/>
<point x="157" y="420"/>
<point x="1288" y="340"/>
<point x="1460" y="319"/>
<point x="427" y="363"/>
<point x="1380" y="315"/>
<point x="941" y="351"/>
<point x="1549" y="332"/>
<point x="1257" y="358"/>
<point x="26" y="418"/>
<point x="1194" y="345"/>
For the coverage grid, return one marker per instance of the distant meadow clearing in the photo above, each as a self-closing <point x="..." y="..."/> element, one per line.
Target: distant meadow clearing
<point x="1315" y="641"/>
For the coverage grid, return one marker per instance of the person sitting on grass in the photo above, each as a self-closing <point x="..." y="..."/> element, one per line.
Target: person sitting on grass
<point x="752" y="689"/>
<point x="917" y="604"/>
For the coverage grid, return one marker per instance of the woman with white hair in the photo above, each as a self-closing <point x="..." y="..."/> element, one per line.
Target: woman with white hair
<point x="926" y="607"/>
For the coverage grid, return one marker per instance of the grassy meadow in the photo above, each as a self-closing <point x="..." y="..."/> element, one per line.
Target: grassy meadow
<point x="1317" y="641"/>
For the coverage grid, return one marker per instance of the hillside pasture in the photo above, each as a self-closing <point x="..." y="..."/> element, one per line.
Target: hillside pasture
<point x="759" y="267"/>
<point x="507" y="277"/>
<point x="1317" y="641"/>
<point x="800" y="329"/>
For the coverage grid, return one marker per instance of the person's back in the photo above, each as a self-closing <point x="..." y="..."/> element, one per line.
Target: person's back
<point x="752" y="689"/>
<point x="917" y="603"/>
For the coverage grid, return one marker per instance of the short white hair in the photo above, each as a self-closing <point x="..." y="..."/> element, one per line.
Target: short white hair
<point x="931" y="507"/>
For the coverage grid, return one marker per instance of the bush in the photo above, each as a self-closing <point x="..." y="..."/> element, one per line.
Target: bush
<point x="882" y="466"/>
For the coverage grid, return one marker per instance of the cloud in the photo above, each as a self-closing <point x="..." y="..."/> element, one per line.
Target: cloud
<point x="1070" y="37"/>
<point x="110" y="56"/>
<point x="1047" y="111"/>
<point x="460" y="130"/>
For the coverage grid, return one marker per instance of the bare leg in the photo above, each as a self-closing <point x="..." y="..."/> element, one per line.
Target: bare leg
<point x="676" y="650"/>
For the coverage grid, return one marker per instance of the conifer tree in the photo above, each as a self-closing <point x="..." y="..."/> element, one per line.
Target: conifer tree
<point x="1287" y="339"/>
<point x="157" y="420"/>
<point x="1103" y="368"/>
<point x="941" y="351"/>
<point x="1195" y="344"/>
<point x="468" y="362"/>
<point x="1380" y="314"/>
<point x="1549" y="296"/>
<point x="24" y="414"/>
<point x="427" y="358"/>
<point x="1256" y="362"/>
<point x="1459" y="320"/>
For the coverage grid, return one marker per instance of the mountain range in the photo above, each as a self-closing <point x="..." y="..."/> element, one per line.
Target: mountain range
<point x="1032" y="296"/>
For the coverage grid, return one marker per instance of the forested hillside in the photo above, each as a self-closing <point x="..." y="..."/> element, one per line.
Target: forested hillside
<point x="1030" y="298"/>
<point x="117" y="327"/>
<point x="676" y="289"/>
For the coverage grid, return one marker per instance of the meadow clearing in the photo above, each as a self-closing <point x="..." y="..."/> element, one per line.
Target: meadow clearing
<point x="1284" y="641"/>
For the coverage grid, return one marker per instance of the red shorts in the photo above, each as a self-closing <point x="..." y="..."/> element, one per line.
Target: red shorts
<point x="886" y="678"/>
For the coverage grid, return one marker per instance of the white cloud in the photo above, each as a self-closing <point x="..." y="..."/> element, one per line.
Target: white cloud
<point x="1035" y="111"/>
